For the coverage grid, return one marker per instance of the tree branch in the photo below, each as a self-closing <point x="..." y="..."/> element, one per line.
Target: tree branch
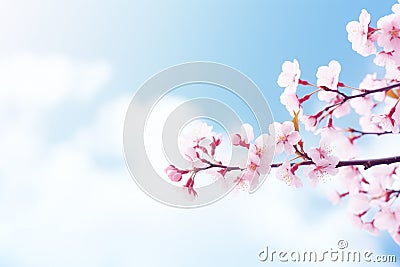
<point x="351" y="130"/>
<point x="367" y="163"/>
<point x="383" y="89"/>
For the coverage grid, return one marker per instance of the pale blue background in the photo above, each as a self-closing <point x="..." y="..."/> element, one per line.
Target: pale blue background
<point x="102" y="218"/>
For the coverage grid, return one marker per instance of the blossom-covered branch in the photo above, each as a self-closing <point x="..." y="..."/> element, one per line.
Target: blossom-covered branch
<point x="367" y="163"/>
<point x="372" y="186"/>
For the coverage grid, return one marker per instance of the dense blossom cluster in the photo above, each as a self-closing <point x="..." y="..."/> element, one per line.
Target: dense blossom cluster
<point x="371" y="186"/>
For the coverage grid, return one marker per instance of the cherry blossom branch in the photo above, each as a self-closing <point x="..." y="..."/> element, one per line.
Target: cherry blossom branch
<point x="349" y="97"/>
<point x="367" y="163"/>
<point x="351" y="130"/>
<point x="383" y="89"/>
<point x="365" y="92"/>
<point x="214" y="165"/>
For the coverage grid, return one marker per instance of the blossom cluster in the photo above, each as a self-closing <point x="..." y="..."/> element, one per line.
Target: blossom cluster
<point x="371" y="186"/>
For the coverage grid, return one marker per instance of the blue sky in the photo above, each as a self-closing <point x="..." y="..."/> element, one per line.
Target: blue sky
<point x="69" y="71"/>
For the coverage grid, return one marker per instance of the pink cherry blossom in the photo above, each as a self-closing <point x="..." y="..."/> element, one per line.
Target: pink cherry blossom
<point x="328" y="76"/>
<point x="342" y="110"/>
<point x="324" y="164"/>
<point x="386" y="122"/>
<point x="333" y="98"/>
<point x="362" y="105"/>
<point x="385" y="219"/>
<point x="358" y="204"/>
<point x="322" y="153"/>
<point x="289" y="77"/>
<point x="396" y="8"/>
<point x="384" y="58"/>
<point x="351" y="179"/>
<point x="192" y="143"/>
<point x="396" y="236"/>
<point x="245" y="137"/>
<point x="290" y="100"/>
<point x="359" y="35"/>
<point x="259" y="156"/>
<point x="319" y="171"/>
<point x="392" y="72"/>
<point x="263" y="145"/>
<point x="337" y="143"/>
<point x="285" y="137"/>
<point x="310" y="121"/>
<point x="253" y="162"/>
<point x="370" y="82"/>
<point x="334" y="197"/>
<point x="174" y="173"/>
<point x="385" y="173"/>
<point x="396" y="113"/>
<point x="367" y="125"/>
<point x="389" y="38"/>
<point x="356" y="219"/>
<point x="286" y="173"/>
<point x="370" y="227"/>
<point x="190" y="187"/>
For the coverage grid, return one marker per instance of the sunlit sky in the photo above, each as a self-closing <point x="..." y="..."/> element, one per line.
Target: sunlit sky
<point x="68" y="70"/>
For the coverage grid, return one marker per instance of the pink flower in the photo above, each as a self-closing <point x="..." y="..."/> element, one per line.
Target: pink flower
<point x="396" y="8"/>
<point x="334" y="197"/>
<point x="319" y="171"/>
<point x="358" y="204"/>
<point x="200" y="139"/>
<point x="324" y="164"/>
<point x="381" y="179"/>
<point x="384" y="58"/>
<point x="356" y="219"/>
<point x="190" y="184"/>
<point x="328" y="76"/>
<point x="252" y="164"/>
<point x="245" y="137"/>
<point x="392" y="72"/>
<point x="350" y="178"/>
<point x="285" y="137"/>
<point x="386" y="122"/>
<point x="174" y="173"/>
<point x="360" y="36"/>
<point x="370" y="227"/>
<point x="263" y="145"/>
<point x="370" y="82"/>
<point x="310" y="121"/>
<point x="251" y="172"/>
<point x="290" y="100"/>
<point x="343" y="109"/>
<point x="337" y="143"/>
<point x="259" y="155"/>
<point x="396" y="114"/>
<point x="396" y="236"/>
<point x="323" y="153"/>
<point x="362" y="105"/>
<point x="368" y="126"/>
<point x="286" y="173"/>
<point x="259" y="159"/>
<point x="385" y="219"/>
<point x="389" y="38"/>
<point x="289" y="77"/>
